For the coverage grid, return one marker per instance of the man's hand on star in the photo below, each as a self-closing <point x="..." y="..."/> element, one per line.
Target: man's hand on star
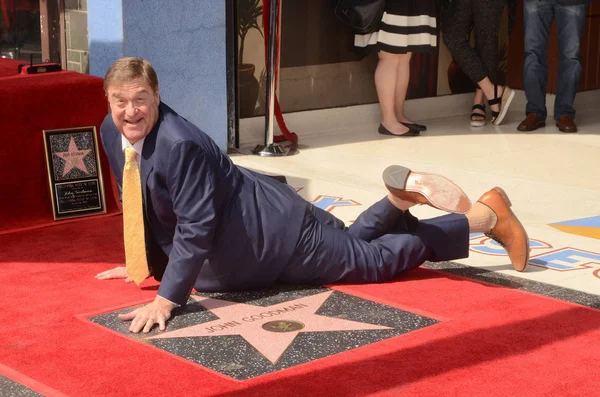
<point x="144" y="318"/>
<point x="117" y="272"/>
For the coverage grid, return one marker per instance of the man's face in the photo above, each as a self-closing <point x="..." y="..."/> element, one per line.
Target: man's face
<point x="134" y="108"/>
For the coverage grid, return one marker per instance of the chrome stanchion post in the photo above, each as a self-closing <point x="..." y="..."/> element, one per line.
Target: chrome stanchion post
<point x="270" y="148"/>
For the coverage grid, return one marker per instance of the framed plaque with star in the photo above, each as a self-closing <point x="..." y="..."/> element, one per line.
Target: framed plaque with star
<point x="74" y="172"/>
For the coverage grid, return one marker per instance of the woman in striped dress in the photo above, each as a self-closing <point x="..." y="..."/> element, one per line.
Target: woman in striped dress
<point x="407" y="26"/>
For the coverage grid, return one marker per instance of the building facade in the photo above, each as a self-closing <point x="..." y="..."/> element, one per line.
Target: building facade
<point x="210" y="55"/>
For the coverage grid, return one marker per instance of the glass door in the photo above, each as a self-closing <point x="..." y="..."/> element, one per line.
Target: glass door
<point x="319" y="65"/>
<point x="32" y="30"/>
<point x="20" y="36"/>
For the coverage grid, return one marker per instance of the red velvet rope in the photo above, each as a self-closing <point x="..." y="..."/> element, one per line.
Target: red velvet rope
<point x="287" y="134"/>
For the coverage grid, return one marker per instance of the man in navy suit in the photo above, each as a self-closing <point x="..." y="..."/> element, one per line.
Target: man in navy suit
<point x="214" y="226"/>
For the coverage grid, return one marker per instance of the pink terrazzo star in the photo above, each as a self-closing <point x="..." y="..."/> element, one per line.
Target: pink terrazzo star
<point x="271" y="329"/>
<point x="73" y="158"/>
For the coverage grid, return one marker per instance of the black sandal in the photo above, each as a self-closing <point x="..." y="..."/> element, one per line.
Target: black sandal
<point x="504" y="102"/>
<point x="478" y="119"/>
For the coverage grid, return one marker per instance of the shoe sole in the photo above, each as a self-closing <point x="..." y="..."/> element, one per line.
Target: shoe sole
<point x="541" y="125"/>
<point x="565" y="130"/>
<point x="505" y="107"/>
<point x="440" y="192"/>
<point x="477" y="123"/>
<point x="504" y="196"/>
<point x="384" y="131"/>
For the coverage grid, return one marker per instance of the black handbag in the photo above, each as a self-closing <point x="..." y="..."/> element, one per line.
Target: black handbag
<point x="363" y="16"/>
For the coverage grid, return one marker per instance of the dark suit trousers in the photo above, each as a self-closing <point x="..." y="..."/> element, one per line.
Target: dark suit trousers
<point x="382" y="243"/>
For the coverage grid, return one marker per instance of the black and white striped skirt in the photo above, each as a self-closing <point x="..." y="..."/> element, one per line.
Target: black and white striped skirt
<point x="406" y="26"/>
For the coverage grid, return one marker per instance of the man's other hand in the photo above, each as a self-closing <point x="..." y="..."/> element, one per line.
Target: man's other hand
<point x="117" y="272"/>
<point x="144" y="318"/>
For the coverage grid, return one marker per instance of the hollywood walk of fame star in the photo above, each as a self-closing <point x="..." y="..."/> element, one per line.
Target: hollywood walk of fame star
<point x="73" y="157"/>
<point x="271" y="329"/>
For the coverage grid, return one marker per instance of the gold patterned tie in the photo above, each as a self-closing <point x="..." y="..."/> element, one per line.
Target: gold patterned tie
<point x="133" y="220"/>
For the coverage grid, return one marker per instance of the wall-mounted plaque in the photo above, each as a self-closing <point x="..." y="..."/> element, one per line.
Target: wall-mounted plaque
<point x="74" y="172"/>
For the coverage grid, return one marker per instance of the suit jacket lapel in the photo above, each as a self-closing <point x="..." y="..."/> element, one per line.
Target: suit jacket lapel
<point x="147" y="161"/>
<point x="147" y="158"/>
<point x="120" y="157"/>
<point x="113" y="147"/>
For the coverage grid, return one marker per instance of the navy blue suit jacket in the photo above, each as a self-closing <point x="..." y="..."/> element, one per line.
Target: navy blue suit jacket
<point x="209" y="223"/>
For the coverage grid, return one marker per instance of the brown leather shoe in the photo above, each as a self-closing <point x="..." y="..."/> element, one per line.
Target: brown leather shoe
<point x="566" y="124"/>
<point x="508" y="231"/>
<point x="423" y="188"/>
<point x="531" y="123"/>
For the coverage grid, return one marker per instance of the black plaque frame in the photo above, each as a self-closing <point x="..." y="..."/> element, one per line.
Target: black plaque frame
<point x="79" y="190"/>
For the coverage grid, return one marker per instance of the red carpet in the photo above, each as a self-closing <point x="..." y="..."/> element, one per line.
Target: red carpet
<point x="491" y="341"/>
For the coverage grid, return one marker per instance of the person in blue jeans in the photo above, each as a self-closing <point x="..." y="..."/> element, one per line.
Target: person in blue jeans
<point x="570" y="17"/>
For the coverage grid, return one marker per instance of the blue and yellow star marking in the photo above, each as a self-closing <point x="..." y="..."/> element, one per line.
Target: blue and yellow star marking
<point x="587" y="227"/>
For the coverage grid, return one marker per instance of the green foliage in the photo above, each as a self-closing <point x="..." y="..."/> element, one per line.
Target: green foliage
<point x="248" y="12"/>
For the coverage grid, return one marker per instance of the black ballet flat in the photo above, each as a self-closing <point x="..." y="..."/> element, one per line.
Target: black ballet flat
<point x="411" y="132"/>
<point x="415" y="126"/>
